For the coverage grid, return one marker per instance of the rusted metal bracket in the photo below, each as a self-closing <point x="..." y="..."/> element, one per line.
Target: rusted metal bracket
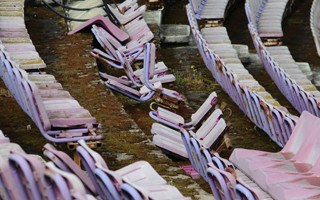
<point x="272" y="41"/>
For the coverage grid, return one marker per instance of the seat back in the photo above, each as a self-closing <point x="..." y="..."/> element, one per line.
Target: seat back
<point x="186" y="142"/>
<point x="204" y="109"/>
<point x="67" y="164"/>
<point x="36" y="105"/>
<point x="7" y="182"/>
<point x="89" y="158"/>
<point x="304" y="128"/>
<point x="75" y="186"/>
<point x="209" y="124"/>
<point x="104" y="43"/>
<point x="107" y="185"/>
<point x="57" y="184"/>
<point x="17" y="76"/>
<point x="29" y="175"/>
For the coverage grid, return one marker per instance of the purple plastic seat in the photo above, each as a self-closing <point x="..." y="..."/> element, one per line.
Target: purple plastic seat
<point x="51" y="120"/>
<point x="28" y="173"/>
<point x="7" y="184"/>
<point x="67" y="164"/>
<point x="170" y="139"/>
<point x="74" y="185"/>
<point x="139" y="174"/>
<point x="106" y="23"/>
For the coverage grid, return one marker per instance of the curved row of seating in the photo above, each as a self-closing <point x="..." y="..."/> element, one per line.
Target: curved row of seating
<point x="286" y="73"/>
<point x="315" y="23"/>
<point x="279" y="174"/>
<point x="25" y="176"/>
<point x="59" y="117"/>
<point x="266" y="16"/>
<point x="226" y="182"/>
<point x="285" y="175"/>
<point x="221" y="59"/>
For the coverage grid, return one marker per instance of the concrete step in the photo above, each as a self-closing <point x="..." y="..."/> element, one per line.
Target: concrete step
<point x="174" y="33"/>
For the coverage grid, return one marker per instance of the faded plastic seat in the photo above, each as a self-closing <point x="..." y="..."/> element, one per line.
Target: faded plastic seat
<point x="53" y="109"/>
<point x="106" y="23"/>
<point x="156" y="72"/>
<point x="28" y="173"/>
<point x="139" y="174"/>
<point x="299" y="158"/>
<point x="159" y="192"/>
<point x="61" y="116"/>
<point x="292" y="79"/>
<point x="144" y="87"/>
<point x="26" y="60"/>
<point x="7" y="185"/>
<point x="75" y="188"/>
<point x="110" y="44"/>
<point x="67" y="164"/>
<point x="296" y="142"/>
<point x="308" y="187"/>
<point x="168" y="139"/>
<point x="266" y="16"/>
<point x="68" y="115"/>
<point x="128" y="91"/>
<point x="139" y="34"/>
<point x="176" y="121"/>
<point x="315" y="23"/>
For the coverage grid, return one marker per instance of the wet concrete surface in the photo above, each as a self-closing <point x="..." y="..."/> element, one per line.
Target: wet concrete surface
<point x="126" y="122"/>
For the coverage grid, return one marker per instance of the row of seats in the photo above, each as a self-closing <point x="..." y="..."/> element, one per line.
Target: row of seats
<point x="289" y="174"/>
<point x="122" y="47"/>
<point x="226" y="182"/>
<point x="59" y="117"/>
<point x="222" y="60"/>
<point x="287" y="75"/>
<point x="315" y="23"/>
<point x="266" y="16"/>
<point x="204" y="125"/>
<point x="25" y="176"/>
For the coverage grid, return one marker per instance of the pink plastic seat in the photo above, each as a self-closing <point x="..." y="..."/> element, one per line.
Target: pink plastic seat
<point x="268" y="171"/>
<point x="168" y="139"/>
<point x="139" y="174"/>
<point x="67" y="164"/>
<point x="176" y="121"/>
<point x="242" y="157"/>
<point x="76" y="188"/>
<point x="106" y="23"/>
